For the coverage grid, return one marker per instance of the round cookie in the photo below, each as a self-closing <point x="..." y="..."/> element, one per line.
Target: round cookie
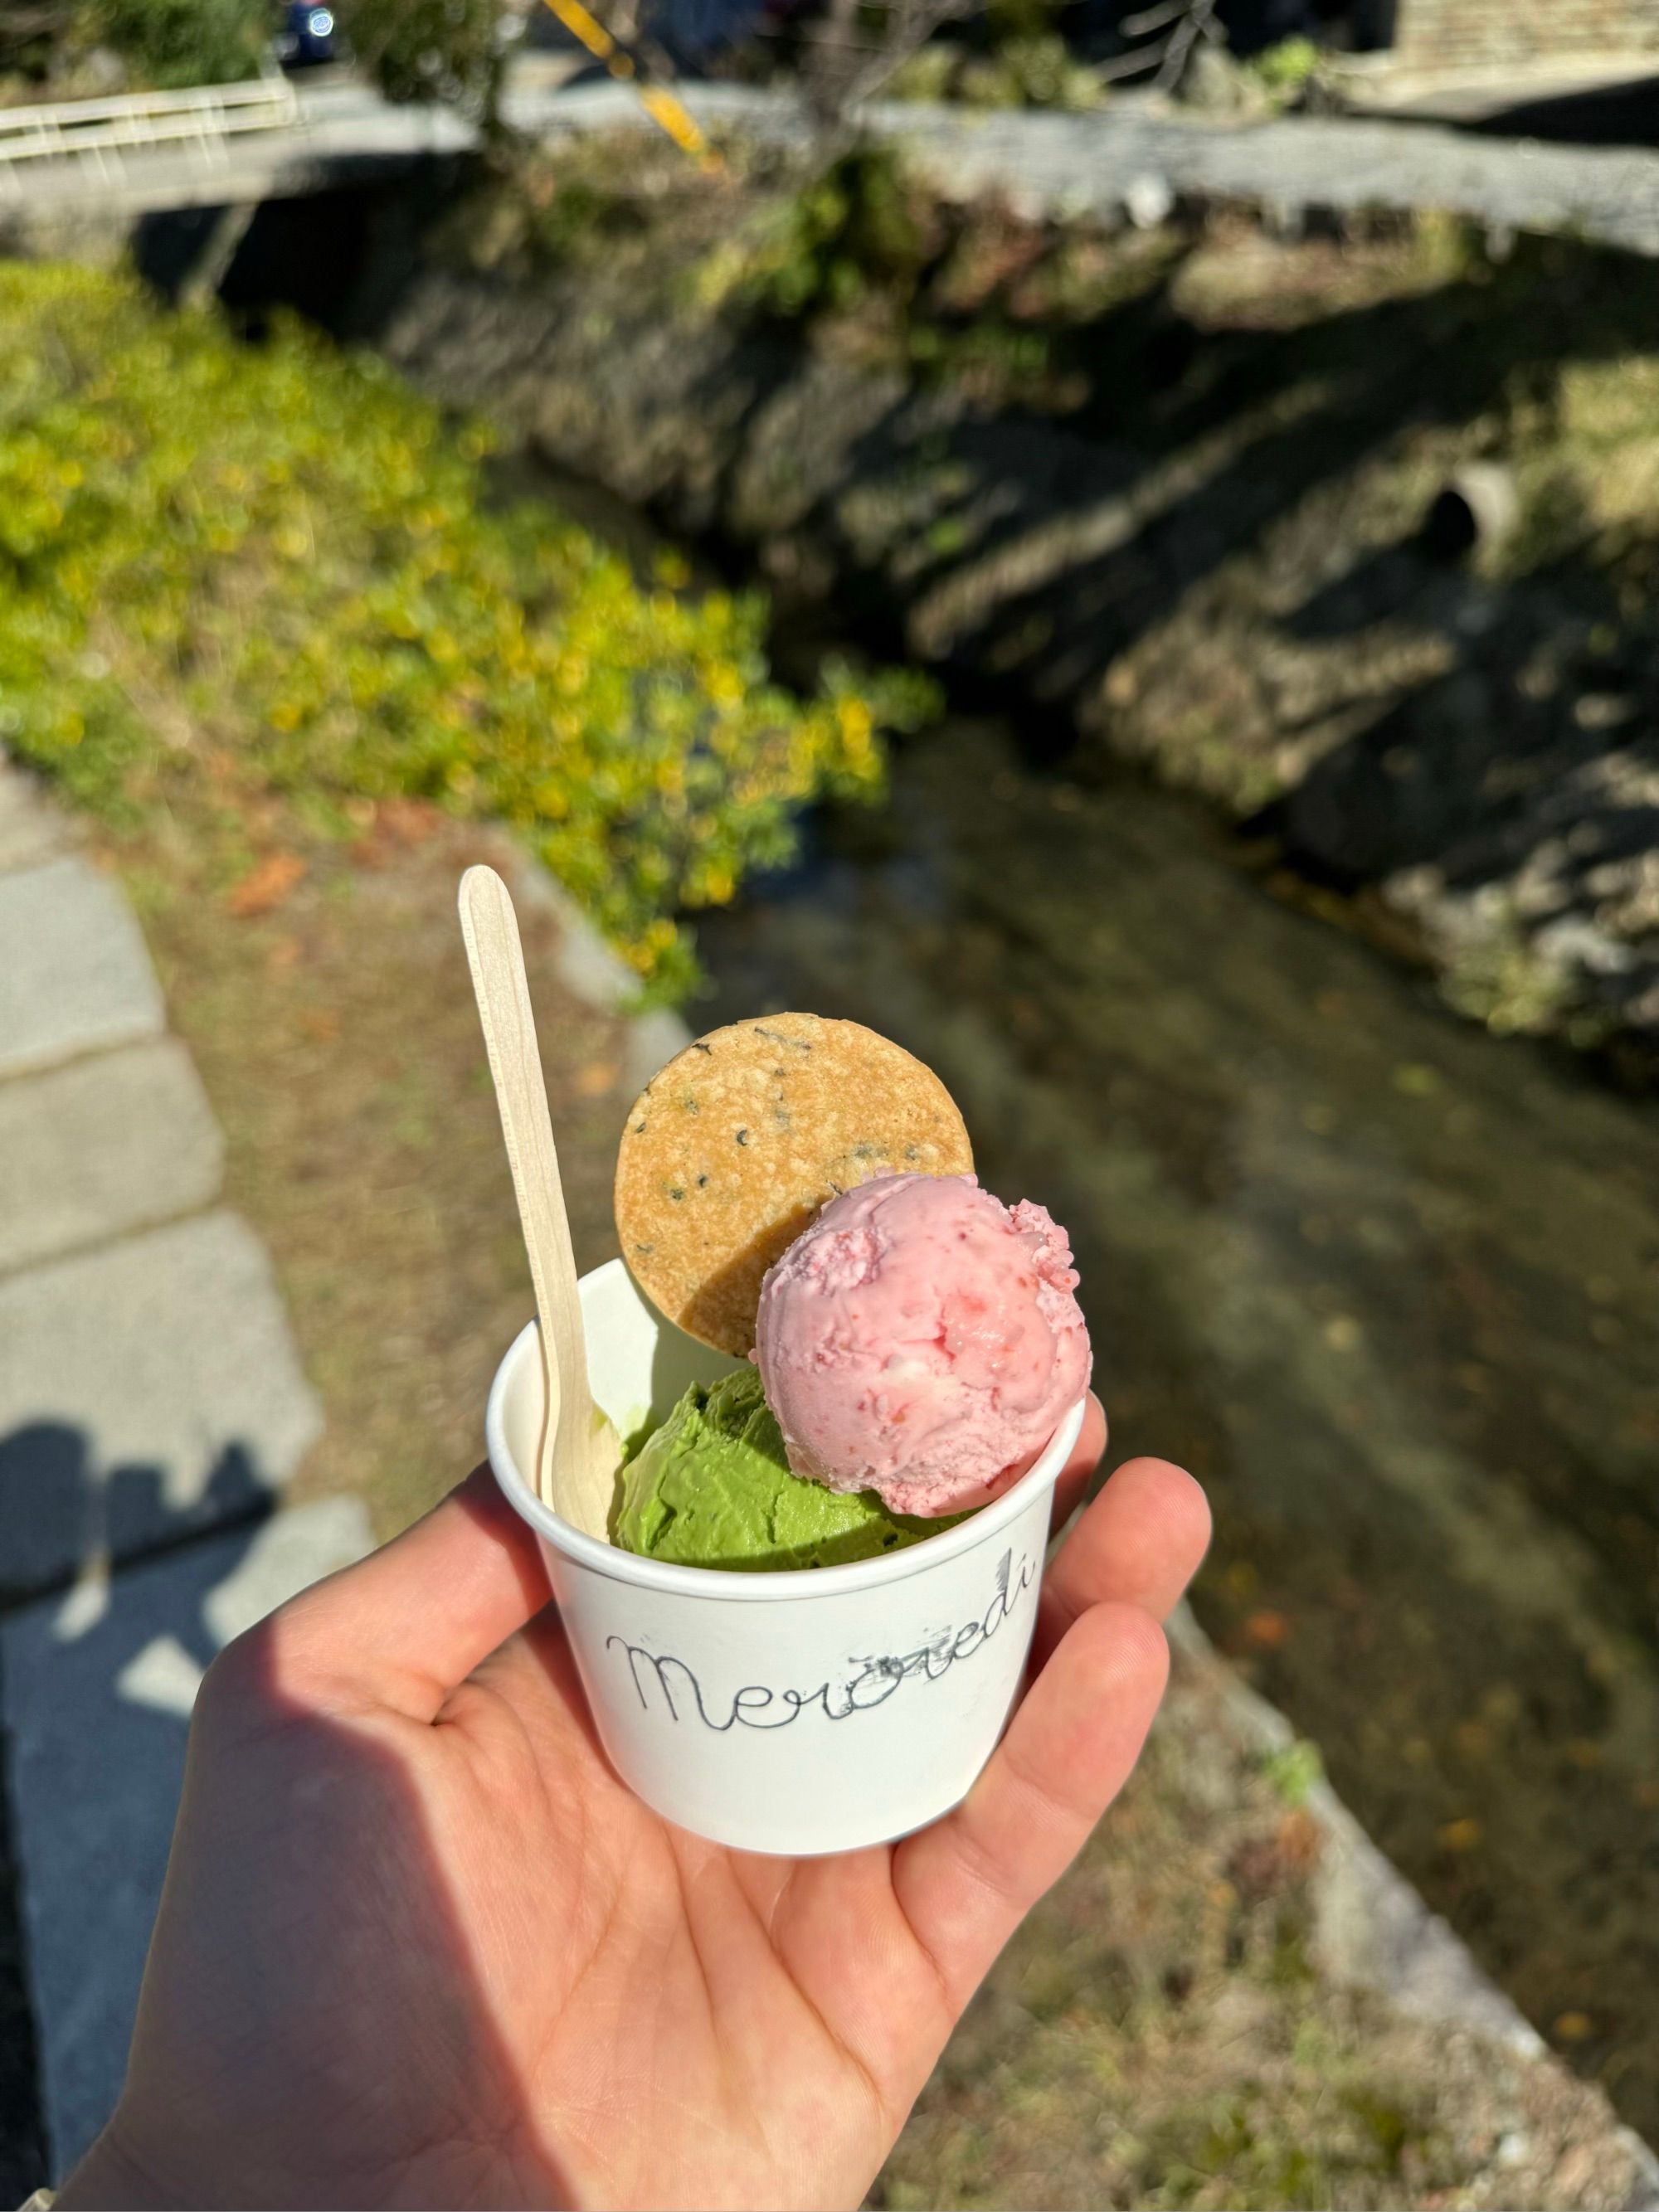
<point x="731" y="1150"/>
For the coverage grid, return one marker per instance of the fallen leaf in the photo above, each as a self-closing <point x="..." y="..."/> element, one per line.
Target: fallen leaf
<point x="1300" y="1840"/>
<point x="410" y="821"/>
<point x="1268" y="1630"/>
<point x="266" y="884"/>
<point x="1263" y="1865"/>
<point x="1460" y="1835"/>
<point x="316" y="1022"/>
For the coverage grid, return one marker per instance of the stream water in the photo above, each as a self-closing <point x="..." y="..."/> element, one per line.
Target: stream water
<point x="1388" y="1286"/>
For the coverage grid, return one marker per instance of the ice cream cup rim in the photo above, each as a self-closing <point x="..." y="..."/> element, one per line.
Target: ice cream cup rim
<point x="790" y="1584"/>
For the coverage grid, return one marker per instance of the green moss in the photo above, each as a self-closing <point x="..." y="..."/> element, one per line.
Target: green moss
<point x="1500" y="980"/>
<point x="1449" y="248"/>
<point x="1293" y="1771"/>
<point x="1287" y="68"/>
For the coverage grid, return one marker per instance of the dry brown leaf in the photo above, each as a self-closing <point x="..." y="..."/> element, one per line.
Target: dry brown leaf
<point x="1460" y="1835"/>
<point x="266" y="884"/>
<point x="1268" y="1630"/>
<point x="409" y="820"/>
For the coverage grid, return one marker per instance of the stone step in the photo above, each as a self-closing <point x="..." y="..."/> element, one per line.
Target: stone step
<point x="101" y="1146"/>
<point x="76" y="976"/>
<point x="148" y="1389"/>
<point x="96" y="1692"/>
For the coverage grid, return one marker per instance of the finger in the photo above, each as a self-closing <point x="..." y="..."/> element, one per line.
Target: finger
<point x="1084" y="1458"/>
<point x="1141" y="1543"/>
<point x="966" y="1883"/>
<point x="412" y="1620"/>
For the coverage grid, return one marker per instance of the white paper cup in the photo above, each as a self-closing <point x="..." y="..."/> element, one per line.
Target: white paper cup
<point x="817" y="1710"/>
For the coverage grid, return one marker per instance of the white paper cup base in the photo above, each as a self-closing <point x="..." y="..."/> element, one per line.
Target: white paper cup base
<point x="796" y="1713"/>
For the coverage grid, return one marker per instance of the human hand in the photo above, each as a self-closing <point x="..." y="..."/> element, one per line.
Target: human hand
<point x="419" y="1945"/>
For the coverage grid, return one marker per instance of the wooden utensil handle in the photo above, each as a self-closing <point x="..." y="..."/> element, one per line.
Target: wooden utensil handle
<point x="494" y="952"/>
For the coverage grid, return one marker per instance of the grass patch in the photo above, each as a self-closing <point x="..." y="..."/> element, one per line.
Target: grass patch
<point x="228" y="571"/>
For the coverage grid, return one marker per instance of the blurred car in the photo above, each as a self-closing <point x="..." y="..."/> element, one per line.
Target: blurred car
<point x="308" y="35"/>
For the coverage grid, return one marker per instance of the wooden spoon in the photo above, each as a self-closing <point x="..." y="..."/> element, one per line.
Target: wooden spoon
<point x="580" y="1451"/>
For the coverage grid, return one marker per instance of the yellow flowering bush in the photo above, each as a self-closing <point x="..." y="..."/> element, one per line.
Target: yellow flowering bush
<point x="279" y="556"/>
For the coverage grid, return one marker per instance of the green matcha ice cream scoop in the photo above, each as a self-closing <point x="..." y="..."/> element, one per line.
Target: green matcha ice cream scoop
<point x="712" y="1488"/>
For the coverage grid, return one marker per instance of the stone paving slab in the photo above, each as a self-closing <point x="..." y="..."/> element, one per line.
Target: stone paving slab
<point x="76" y="976"/>
<point x="96" y="1692"/>
<point x="30" y="830"/>
<point x="146" y="1388"/>
<point x="102" y="1146"/>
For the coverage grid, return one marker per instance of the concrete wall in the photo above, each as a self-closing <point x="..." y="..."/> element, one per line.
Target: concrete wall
<point x="1452" y="34"/>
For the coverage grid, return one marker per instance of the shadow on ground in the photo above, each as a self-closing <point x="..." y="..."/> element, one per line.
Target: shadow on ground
<point x="1608" y="115"/>
<point x="97" y="1678"/>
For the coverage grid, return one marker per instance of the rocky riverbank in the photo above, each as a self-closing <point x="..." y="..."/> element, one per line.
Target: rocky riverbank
<point x="1349" y="535"/>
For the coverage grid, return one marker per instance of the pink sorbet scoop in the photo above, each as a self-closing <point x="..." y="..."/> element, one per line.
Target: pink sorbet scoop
<point x="921" y="1339"/>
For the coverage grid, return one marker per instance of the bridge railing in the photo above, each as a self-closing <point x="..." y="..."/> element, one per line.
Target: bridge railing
<point x="97" y="133"/>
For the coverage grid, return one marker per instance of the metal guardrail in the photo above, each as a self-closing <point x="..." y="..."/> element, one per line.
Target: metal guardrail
<point x="96" y="133"/>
